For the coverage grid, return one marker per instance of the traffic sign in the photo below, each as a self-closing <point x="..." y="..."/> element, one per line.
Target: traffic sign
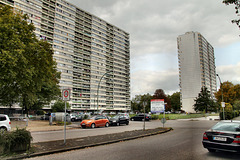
<point x="223" y="104"/>
<point x="163" y="120"/>
<point x="66" y="94"/>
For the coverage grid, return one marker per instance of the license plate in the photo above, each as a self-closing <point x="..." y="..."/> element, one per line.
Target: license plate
<point x="219" y="138"/>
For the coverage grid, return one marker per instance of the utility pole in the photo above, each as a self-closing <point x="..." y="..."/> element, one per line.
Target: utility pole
<point x="222" y="103"/>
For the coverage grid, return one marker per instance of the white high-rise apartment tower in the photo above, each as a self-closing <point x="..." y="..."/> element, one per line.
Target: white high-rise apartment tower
<point x="92" y="54"/>
<point x="196" y="68"/>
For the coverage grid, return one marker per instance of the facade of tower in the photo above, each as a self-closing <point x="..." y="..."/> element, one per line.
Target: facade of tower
<point x="92" y="55"/>
<point x="196" y="68"/>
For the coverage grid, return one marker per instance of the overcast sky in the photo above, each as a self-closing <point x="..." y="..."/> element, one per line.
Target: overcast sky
<point x="154" y="26"/>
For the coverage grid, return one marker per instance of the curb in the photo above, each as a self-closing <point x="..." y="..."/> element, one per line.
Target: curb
<point x="89" y="145"/>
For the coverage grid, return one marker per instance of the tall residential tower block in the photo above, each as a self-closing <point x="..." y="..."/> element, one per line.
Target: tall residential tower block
<point x="92" y="54"/>
<point x="196" y="68"/>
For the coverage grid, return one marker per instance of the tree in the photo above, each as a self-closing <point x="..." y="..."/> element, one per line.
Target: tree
<point x="137" y="103"/>
<point x="28" y="70"/>
<point x="237" y="7"/>
<point x="159" y="94"/>
<point x="175" y="101"/>
<point x="230" y="92"/>
<point x="204" y="102"/>
<point x="236" y="105"/>
<point x="59" y="106"/>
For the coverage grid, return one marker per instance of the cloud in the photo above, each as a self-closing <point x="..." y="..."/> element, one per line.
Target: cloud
<point x="154" y="27"/>
<point x="148" y="81"/>
<point x="229" y="73"/>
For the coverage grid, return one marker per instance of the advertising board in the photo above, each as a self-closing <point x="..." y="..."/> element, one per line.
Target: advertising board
<point x="157" y="105"/>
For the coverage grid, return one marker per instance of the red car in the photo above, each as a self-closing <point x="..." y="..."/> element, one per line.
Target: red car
<point x="95" y="121"/>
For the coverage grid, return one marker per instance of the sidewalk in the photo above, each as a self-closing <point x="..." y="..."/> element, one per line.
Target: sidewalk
<point x="41" y="125"/>
<point x="51" y="147"/>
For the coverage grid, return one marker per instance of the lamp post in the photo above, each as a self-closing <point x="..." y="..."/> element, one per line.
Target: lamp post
<point x="99" y="86"/>
<point x="222" y="94"/>
<point x="144" y="105"/>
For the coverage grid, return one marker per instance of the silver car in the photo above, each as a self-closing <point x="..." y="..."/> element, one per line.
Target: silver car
<point x="5" y="123"/>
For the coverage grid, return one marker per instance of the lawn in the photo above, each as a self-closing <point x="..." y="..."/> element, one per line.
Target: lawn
<point x="180" y="116"/>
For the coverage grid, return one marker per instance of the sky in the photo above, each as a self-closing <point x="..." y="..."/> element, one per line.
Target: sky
<point x="154" y="26"/>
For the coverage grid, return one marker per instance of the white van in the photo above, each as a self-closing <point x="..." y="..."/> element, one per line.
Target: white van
<point x="5" y="123"/>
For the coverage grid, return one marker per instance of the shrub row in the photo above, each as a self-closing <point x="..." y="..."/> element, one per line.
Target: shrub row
<point x="229" y="115"/>
<point x="14" y="141"/>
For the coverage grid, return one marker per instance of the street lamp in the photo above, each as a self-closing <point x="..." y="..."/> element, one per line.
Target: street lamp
<point x="221" y="92"/>
<point x="99" y="86"/>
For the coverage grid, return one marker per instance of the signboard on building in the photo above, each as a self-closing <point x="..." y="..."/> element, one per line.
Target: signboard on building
<point x="157" y="105"/>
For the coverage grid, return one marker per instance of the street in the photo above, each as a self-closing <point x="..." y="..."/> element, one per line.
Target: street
<point x="183" y="143"/>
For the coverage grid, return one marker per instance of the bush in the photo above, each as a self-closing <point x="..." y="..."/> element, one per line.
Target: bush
<point x="18" y="140"/>
<point x="61" y="123"/>
<point x="155" y="117"/>
<point x="229" y="115"/>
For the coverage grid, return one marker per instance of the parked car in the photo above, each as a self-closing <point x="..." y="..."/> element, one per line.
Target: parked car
<point x="224" y="136"/>
<point x="5" y="123"/>
<point x="124" y="114"/>
<point x="140" y="117"/>
<point x="46" y="116"/>
<point x="95" y="121"/>
<point x="118" y="120"/>
<point x="75" y="117"/>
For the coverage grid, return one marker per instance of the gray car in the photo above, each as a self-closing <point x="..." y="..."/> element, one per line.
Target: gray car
<point x="224" y="136"/>
<point x="5" y="123"/>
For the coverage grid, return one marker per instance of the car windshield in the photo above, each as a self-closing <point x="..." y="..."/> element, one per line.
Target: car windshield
<point x="116" y="117"/>
<point x="227" y="126"/>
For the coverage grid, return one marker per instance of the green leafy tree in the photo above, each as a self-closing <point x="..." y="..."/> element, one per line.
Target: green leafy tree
<point x="139" y="100"/>
<point x="175" y="101"/>
<point x="159" y="94"/>
<point x="59" y="106"/>
<point x="236" y="105"/>
<point x="146" y="99"/>
<point x="204" y="102"/>
<point x="237" y="7"/>
<point x="28" y="71"/>
<point x="230" y="92"/>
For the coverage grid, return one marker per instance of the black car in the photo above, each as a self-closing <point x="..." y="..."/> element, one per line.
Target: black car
<point x="140" y="117"/>
<point x="224" y="136"/>
<point x="118" y="120"/>
<point x="46" y="116"/>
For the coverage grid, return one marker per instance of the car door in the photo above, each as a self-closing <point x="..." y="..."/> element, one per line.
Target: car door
<point x="141" y="117"/>
<point x="98" y="121"/>
<point x="121" y="119"/>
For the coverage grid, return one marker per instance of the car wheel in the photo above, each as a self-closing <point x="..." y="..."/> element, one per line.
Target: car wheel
<point x="211" y="150"/>
<point x="132" y="119"/>
<point x="127" y="123"/>
<point x="93" y="125"/>
<point x="107" y="124"/>
<point x="119" y="124"/>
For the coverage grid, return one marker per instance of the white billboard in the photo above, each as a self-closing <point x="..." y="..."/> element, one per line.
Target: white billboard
<point x="157" y="105"/>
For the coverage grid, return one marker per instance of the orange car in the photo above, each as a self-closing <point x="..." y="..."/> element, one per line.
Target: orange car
<point x="95" y="121"/>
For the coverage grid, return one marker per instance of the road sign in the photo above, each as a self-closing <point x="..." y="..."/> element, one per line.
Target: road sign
<point x="66" y="94"/>
<point x="223" y="104"/>
<point x="163" y="120"/>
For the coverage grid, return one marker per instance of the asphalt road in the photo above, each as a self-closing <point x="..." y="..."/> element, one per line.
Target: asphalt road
<point x="183" y="143"/>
